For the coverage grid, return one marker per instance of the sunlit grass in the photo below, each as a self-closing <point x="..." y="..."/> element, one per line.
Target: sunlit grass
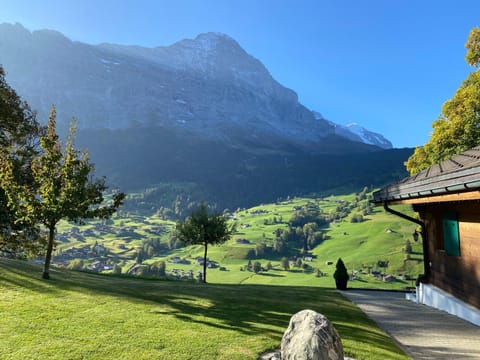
<point x="381" y="237"/>
<point x="85" y="316"/>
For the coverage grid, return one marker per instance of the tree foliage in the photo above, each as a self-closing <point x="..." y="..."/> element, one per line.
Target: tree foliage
<point x="341" y="273"/>
<point x="204" y="229"/>
<point x="64" y="188"/>
<point x="284" y="263"/>
<point x="158" y="268"/>
<point x="458" y="127"/>
<point x="473" y="47"/>
<point x="19" y="133"/>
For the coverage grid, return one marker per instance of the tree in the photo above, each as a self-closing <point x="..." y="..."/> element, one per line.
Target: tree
<point x="76" y="264"/>
<point x="158" y="268"/>
<point x="19" y="132"/>
<point x="140" y="256"/>
<point x="473" y="47"/>
<point x="64" y="189"/>
<point x="341" y="275"/>
<point x="408" y="247"/>
<point x="458" y="127"/>
<point x="308" y="213"/>
<point x="356" y="218"/>
<point x="204" y="229"/>
<point x="309" y="230"/>
<point x="117" y="269"/>
<point x="174" y="243"/>
<point x="284" y="263"/>
<point x="260" y="250"/>
<point x="279" y="245"/>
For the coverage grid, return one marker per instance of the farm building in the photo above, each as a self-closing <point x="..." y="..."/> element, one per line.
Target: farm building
<point x="447" y="199"/>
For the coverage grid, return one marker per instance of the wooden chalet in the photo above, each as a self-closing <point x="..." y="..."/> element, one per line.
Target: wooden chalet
<point x="447" y="199"/>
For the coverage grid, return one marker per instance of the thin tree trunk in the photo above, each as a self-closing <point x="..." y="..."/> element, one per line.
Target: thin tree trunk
<point x="48" y="256"/>
<point x="205" y="264"/>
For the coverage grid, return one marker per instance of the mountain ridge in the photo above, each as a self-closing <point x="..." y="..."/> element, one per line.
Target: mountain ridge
<point x="224" y="131"/>
<point x="209" y="84"/>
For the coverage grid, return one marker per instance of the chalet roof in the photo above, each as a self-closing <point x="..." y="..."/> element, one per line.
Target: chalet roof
<point x="457" y="174"/>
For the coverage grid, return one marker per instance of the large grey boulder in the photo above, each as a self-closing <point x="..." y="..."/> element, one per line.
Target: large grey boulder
<point x="311" y="336"/>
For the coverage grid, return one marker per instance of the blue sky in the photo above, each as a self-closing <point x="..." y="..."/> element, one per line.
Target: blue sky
<point x="388" y="65"/>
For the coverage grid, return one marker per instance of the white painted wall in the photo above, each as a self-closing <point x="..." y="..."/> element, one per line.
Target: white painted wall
<point x="432" y="296"/>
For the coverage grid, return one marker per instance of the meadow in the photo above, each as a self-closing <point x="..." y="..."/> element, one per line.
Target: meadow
<point x="78" y="315"/>
<point x="379" y="238"/>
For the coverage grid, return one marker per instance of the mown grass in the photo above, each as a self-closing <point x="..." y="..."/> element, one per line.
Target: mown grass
<point x="86" y="316"/>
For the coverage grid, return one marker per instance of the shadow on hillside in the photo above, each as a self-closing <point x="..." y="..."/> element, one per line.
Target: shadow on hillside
<point x="249" y="309"/>
<point x="269" y="274"/>
<point x="26" y="276"/>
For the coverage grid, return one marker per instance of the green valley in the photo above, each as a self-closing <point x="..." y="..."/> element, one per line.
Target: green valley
<point x="373" y="246"/>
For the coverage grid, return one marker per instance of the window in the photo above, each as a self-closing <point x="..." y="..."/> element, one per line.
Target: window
<point x="451" y="238"/>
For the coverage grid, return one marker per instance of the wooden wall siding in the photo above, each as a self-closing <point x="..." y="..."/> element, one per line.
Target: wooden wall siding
<point x="458" y="275"/>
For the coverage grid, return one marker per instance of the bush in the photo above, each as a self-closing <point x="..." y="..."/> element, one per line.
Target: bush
<point x="341" y="275"/>
<point x="76" y="264"/>
<point x="356" y="218"/>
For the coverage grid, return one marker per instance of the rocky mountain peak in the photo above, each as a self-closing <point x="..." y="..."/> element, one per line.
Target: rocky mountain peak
<point x="219" y="56"/>
<point x="212" y="40"/>
<point x="208" y="85"/>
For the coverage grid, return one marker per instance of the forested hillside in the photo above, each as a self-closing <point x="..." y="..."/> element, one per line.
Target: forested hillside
<point x="168" y="163"/>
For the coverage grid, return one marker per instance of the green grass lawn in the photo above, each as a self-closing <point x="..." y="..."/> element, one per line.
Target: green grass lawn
<point x="86" y="316"/>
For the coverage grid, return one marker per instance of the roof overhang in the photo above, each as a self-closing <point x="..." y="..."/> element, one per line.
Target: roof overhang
<point x="455" y="179"/>
<point x="452" y="197"/>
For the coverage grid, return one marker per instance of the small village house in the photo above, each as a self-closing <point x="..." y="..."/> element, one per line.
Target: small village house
<point x="447" y="199"/>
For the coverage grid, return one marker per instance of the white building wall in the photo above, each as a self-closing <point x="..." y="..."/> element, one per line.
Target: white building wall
<point x="432" y="296"/>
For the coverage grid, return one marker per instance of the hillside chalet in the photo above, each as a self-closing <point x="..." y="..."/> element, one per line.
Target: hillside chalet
<point x="447" y="199"/>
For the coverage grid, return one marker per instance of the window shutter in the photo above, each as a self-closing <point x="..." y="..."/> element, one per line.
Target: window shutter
<point x="451" y="238"/>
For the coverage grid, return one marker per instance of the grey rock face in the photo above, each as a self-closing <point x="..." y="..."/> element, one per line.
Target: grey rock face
<point x="208" y="86"/>
<point x="311" y="336"/>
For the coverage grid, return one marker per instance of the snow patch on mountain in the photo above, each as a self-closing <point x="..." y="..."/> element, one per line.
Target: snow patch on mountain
<point x="369" y="137"/>
<point x="356" y="132"/>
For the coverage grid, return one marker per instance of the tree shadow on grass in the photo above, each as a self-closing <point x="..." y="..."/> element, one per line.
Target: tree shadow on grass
<point x="25" y="275"/>
<point x="257" y="310"/>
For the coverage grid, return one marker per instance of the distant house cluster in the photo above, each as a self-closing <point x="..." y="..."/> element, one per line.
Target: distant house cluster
<point x="98" y="230"/>
<point x="86" y="252"/>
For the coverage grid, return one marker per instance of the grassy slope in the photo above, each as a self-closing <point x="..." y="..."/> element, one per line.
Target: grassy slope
<point x="357" y="243"/>
<point x="85" y="316"/>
